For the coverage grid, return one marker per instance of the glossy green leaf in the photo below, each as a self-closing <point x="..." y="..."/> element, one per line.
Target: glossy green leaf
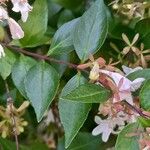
<point x="65" y="16"/>
<point x="127" y="142"/>
<point x="6" y="63"/>
<point x="145" y="96"/>
<point x="72" y="114"/>
<point x="20" y="70"/>
<point x="91" y="30"/>
<point x="41" y="85"/>
<point x="60" y="67"/>
<point x="62" y="40"/>
<point x="36" y="25"/>
<point x="88" y="93"/>
<point x="83" y="141"/>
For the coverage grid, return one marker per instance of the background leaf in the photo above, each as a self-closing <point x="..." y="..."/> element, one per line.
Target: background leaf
<point x="126" y="142"/>
<point x="91" y="30"/>
<point x="64" y="17"/>
<point x="41" y="84"/>
<point x="69" y="4"/>
<point x="36" y="25"/>
<point x="72" y="115"/>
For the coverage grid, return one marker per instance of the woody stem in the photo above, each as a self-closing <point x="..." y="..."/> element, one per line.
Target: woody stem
<point x="10" y="105"/>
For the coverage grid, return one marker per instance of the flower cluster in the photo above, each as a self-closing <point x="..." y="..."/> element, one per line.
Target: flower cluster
<point x="6" y="123"/>
<point x="131" y="9"/>
<point x="15" y="29"/>
<point x="116" y="113"/>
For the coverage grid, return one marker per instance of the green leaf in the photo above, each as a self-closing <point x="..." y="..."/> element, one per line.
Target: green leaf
<point x="36" y="25"/>
<point x="88" y="93"/>
<point x="142" y="27"/>
<point x="6" y="64"/>
<point x="19" y="72"/>
<point x="144" y="122"/>
<point x="83" y="141"/>
<point x="145" y="96"/>
<point x="68" y="3"/>
<point x="146" y="42"/>
<point x="72" y="115"/>
<point x="62" y="40"/>
<point x="91" y="30"/>
<point x="7" y="145"/>
<point x="127" y="142"/>
<point x="41" y="85"/>
<point x="65" y="16"/>
<point x="145" y="73"/>
<point x="60" y="67"/>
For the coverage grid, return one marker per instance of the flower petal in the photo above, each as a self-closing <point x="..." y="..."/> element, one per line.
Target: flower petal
<point x="127" y="96"/>
<point x="98" y="120"/>
<point x="98" y="130"/>
<point x="125" y="38"/>
<point x="106" y="134"/>
<point x="15" y="29"/>
<point x="128" y="70"/>
<point x="136" y="84"/>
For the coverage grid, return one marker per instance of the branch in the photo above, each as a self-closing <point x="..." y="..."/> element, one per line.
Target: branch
<point x="42" y="57"/>
<point x="10" y="105"/>
<point x="137" y="110"/>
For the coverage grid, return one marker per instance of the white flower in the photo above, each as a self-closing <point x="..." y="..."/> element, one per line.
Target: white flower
<point x="3" y="14"/>
<point x="23" y="7"/>
<point x="107" y="126"/>
<point x="124" y="86"/>
<point x="2" y="53"/>
<point x="128" y="70"/>
<point x="15" y="29"/>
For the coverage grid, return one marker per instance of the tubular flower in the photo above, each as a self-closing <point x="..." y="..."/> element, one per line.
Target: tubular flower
<point x="23" y="7"/>
<point x="108" y="126"/>
<point x="3" y="14"/>
<point x="15" y="29"/>
<point x="124" y="86"/>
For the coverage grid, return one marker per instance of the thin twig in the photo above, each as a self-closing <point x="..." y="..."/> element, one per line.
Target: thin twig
<point x="42" y="57"/>
<point x="137" y="110"/>
<point x="10" y="104"/>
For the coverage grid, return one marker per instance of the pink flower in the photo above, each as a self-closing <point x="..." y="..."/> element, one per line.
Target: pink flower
<point x="2" y="53"/>
<point x="23" y="7"/>
<point x="124" y="86"/>
<point x="3" y="14"/>
<point x="15" y="29"/>
<point x="108" y="126"/>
